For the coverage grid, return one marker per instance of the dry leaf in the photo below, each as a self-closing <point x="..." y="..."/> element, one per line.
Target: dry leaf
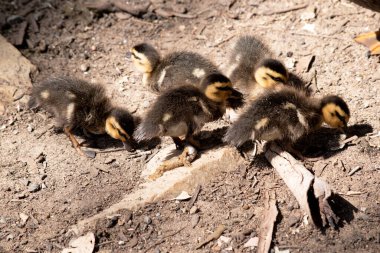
<point x="83" y="244"/>
<point x="370" y="40"/>
<point x="183" y="196"/>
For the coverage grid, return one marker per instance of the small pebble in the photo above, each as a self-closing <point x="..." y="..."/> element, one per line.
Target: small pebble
<point x="93" y="48"/>
<point x="194" y="220"/>
<point x="121" y="242"/>
<point x="147" y="220"/>
<point x="193" y="210"/>
<point x="84" y="67"/>
<point x="30" y="128"/>
<point x="33" y="187"/>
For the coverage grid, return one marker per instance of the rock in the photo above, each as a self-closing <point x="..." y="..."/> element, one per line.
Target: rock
<point x="15" y="72"/>
<point x="194" y="220"/>
<point x="193" y="210"/>
<point x="309" y="13"/>
<point x="122" y="15"/>
<point x="147" y="220"/>
<point x="33" y="187"/>
<point x="109" y="160"/>
<point x="83" y="244"/>
<point x="24" y="218"/>
<point x="293" y="220"/>
<point x="84" y="67"/>
<point x="30" y="128"/>
<point x="203" y="169"/>
<point x="253" y="242"/>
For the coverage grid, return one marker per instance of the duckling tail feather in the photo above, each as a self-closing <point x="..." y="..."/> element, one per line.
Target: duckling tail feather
<point x="146" y="131"/>
<point x="238" y="133"/>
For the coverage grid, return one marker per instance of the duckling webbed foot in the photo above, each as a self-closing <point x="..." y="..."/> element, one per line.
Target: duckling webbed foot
<point x="184" y="159"/>
<point x="90" y="154"/>
<point x="179" y="144"/>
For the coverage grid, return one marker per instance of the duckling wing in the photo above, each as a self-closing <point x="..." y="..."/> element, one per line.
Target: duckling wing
<point x="183" y="68"/>
<point x="174" y="113"/>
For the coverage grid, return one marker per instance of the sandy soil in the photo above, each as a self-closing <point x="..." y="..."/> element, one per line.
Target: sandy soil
<point x="43" y="177"/>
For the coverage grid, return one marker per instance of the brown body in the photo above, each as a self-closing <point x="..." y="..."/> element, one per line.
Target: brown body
<point x="286" y="115"/>
<point x="78" y="104"/>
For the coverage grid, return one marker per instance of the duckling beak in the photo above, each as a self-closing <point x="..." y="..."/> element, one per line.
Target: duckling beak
<point x="128" y="146"/>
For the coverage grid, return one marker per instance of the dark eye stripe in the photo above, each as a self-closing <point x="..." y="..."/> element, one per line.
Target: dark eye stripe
<point x="340" y="116"/>
<point x="134" y="55"/>
<point x="224" y="88"/>
<point x="277" y="79"/>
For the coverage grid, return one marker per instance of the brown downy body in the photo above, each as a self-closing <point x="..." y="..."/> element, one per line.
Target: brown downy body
<point x="173" y="70"/>
<point x="182" y="111"/>
<point x="286" y="115"/>
<point x="76" y="103"/>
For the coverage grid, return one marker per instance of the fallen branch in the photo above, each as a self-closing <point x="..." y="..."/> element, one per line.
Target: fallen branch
<point x="194" y="197"/>
<point x="293" y="8"/>
<point x="302" y="184"/>
<point x="266" y="228"/>
<point x="214" y="236"/>
<point x="163" y="239"/>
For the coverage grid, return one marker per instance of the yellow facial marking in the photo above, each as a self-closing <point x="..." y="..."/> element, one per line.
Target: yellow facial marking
<point x="199" y="73"/>
<point x="114" y="129"/>
<point x="70" y="111"/>
<point x="217" y="95"/>
<point x="263" y="77"/>
<point x="261" y="123"/>
<point x="141" y="62"/>
<point x="289" y="105"/>
<point x="331" y="118"/>
<point x="45" y="94"/>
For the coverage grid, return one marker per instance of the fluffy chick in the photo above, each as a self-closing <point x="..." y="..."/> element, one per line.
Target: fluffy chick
<point x="76" y="103"/>
<point x="252" y="67"/>
<point x="181" y="112"/>
<point x="286" y="115"/>
<point x="173" y="70"/>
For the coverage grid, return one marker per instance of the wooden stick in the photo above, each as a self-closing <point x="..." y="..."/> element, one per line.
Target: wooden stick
<point x="214" y="236"/>
<point x="300" y="182"/>
<point x="267" y="225"/>
<point x="293" y="8"/>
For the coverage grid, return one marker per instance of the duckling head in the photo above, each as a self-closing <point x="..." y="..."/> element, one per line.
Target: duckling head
<point x="271" y="72"/>
<point x="118" y="124"/>
<point x="335" y="112"/>
<point x="145" y="57"/>
<point x="218" y="88"/>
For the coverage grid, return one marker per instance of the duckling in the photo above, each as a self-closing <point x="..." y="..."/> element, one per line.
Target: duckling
<point x="181" y="112"/>
<point x="252" y="67"/>
<point x="76" y="103"/>
<point x="173" y="70"/>
<point x="286" y="115"/>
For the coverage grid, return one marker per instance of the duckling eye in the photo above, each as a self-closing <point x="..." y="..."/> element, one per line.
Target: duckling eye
<point x="277" y="79"/>
<point x="224" y="88"/>
<point x="332" y="114"/>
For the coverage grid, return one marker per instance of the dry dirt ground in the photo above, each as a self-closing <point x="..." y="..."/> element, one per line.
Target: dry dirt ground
<point x="42" y="176"/>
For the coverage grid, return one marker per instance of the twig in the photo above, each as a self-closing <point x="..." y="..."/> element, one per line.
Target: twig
<point x="293" y="8"/>
<point x="164" y="238"/>
<point x="152" y="155"/>
<point x="214" y="236"/>
<point x="315" y="35"/>
<point x="223" y="41"/>
<point x="194" y="197"/>
<point x="354" y="170"/>
<point x="104" y="243"/>
<point x="351" y="139"/>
